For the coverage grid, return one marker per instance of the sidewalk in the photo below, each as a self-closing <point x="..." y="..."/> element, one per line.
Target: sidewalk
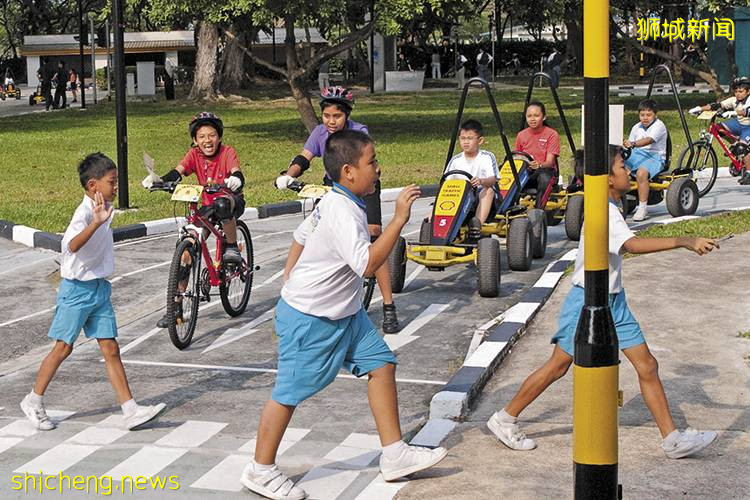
<point x="691" y="309"/>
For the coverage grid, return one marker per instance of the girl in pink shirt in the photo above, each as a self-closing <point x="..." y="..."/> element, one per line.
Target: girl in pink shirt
<point x="543" y="144"/>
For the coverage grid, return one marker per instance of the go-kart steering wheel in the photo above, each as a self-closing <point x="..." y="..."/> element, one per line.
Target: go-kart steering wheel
<point x="454" y="172"/>
<point x="524" y="154"/>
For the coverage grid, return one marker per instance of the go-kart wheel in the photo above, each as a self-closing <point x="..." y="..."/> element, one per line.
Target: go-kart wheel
<point x="2" y="96"/>
<point x="488" y="264"/>
<point x="519" y="244"/>
<point x="397" y="265"/>
<point x="425" y="232"/>
<point x="682" y="197"/>
<point x="574" y="217"/>
<point x="539" y="233"/>
<point x="31" y="100"/>
<point x="369" y="290"/>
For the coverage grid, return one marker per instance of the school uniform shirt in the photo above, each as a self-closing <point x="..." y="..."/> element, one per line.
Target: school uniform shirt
<point x="619" y="233"/>
<point x="657" y="131"/>
<point x="95" y="259"/>
<point x="483" y="165"/>
<point x="327" y="280"/>
<point x="732" y="103"/>
<point x="538" y="144"/>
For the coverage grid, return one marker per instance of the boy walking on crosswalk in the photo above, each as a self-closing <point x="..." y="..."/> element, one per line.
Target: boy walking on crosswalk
<point x="321" y="324"/>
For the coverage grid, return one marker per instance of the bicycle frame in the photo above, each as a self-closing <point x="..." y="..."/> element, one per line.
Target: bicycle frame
<point x="716" y="130"/>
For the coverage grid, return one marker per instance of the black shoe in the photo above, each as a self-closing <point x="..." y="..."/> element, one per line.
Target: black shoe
<point x="390" y="319"/>
<point x="232" y="255"/>
<point x="164" y="321"/>
<point x="475" y="228"/>
<point x="745" y="179"/>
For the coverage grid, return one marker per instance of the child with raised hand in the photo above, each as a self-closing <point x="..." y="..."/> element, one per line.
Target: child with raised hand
<point x="482" y="165"/>
<point x="648" y="144"/>
<point x="321" y="324"/>
<point x="675" y="443"/>
<point x="83" y="299"/>
<point x="543" y="144"/>
<point x="739" y="124"/>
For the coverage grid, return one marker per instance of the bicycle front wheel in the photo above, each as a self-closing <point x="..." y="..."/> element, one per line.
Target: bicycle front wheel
<point x="183" y="293"/>
<point x="369" y="290"/>
<point x="237" y="281"/>
<point x="704" y="166"/>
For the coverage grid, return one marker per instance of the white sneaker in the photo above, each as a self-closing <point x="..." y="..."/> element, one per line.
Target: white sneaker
<point x="411" y="460"/>
<point x="641" y="213"/>
<point x="689" y="443"/>
<point x="142" y="414"/>
<point x="271" y="484"/>
<point x="37" y="415"/>
<point x="510" y="435"/>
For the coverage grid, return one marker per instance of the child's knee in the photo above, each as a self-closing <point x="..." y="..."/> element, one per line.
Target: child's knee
<point x="62" y="350"/>
<point x="110" y="349"/>
<point x="642" y="174"/>
<point x="388" y="370"/>
<point x="560" y="367"/>
<point x="648" y="367"/>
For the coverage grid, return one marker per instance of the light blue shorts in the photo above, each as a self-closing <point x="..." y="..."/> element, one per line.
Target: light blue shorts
<point x="628" y="330"/>
<point x="639" y="158"/>
<point x="738" y="129"/>
<point x="312" y="350"/>
<point x="83" y="304"/>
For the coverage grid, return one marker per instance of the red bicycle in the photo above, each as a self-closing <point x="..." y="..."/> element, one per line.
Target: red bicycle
<point x="190" y="283"/>
<point x="705" y="162"/>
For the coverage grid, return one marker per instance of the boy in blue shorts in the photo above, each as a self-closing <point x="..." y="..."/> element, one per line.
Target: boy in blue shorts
<point x="675" y="444"/>
<point x="321" y="324"/>
<point x="83" y="299"/>
<point x="648" y="141"/>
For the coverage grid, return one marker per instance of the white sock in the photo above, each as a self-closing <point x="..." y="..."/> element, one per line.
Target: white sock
<point x="261" y="468"/>
<point x="642" y="204"/>
<point x="505" y="417"/>
<point x="393" y="450"/>
<point x="35" y="398"/>
<point x="129" y="407"/>
<point x="671" y="438"/>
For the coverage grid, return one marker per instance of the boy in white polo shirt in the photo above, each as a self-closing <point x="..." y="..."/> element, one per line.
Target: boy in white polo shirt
<point x="675" y="443"/>
<point x="482" y="165"/>
<point x="83" y="299"/>
<point x="648" y="141"/>
<point x="320" y="322"/>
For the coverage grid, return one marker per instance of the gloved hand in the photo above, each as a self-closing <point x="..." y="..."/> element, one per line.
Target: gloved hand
<point x="233" y="183"/>
<point x="695" y="111"/>
<point x="283" y="181"/>
<point x="150" y="180"/>
<point x="729" y="114"/>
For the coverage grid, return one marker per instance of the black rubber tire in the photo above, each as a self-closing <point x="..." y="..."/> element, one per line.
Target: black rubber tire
<point x="539" y="233"/>
<point x="682" y="197"/>
<point x="425" y="232"/>
<point x="369" y="287"/>
<point x="574" y="217"/>
<point x="235" y="309"/>
<point x="397" y="265"/>
<point x="181" y="335"/>
<point x="519" y="244"/>
<point x="488" y="266"/>
<point x="704" y="161"/>
<point x="31" y="100"/>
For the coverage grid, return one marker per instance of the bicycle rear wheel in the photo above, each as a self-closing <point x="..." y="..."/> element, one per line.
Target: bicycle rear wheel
<point x="369" y="290"/>
<point x="237" y="281"/>
<point x="183" y="289"/>
<point x="704" y="167"/>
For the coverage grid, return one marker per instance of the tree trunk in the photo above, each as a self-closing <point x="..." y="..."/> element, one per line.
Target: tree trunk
<point x="574" y="27"/>
<point x="232" y="66"/>
<point x="304" y="105"/>
<point x="204" y="81"/>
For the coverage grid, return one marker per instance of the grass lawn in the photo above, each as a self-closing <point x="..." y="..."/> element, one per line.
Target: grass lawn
<point x="707" y="227"/>
<point x="39" y="186"/>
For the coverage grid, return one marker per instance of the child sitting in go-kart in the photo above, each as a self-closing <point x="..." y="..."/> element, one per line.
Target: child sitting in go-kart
<point x="482" y="165"/>
<point x="542" y="143"/>
<point x="739" y="125"/>
<point x="648" y="141"/>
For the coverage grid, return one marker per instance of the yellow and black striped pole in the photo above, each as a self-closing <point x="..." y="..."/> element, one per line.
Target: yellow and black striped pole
<point x="595" y="370"/>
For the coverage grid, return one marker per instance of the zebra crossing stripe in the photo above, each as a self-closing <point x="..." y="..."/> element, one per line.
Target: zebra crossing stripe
<point x="379" y="489"/>
<point x="20" y="429"/>
<point x="76" y="448"/>
<point x="357" y="450"/>
<point x="151" y="459"/>
<point x="226" y="474"/>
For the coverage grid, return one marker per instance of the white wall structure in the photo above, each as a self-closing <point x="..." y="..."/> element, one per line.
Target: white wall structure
<point x="378" y="56"/>
<point x="146" y="79"/>
<point x="32" y="64"/>
<point x="130" y="83"/>
<point x="616" y="120"/>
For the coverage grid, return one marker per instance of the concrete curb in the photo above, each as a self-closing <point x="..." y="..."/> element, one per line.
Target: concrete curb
<point x="500" y="334"/>
<point x="52" y="241"/>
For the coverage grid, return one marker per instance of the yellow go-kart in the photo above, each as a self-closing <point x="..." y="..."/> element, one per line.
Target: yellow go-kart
<point x="446" y="238"/>
<point x="9" y="90"/>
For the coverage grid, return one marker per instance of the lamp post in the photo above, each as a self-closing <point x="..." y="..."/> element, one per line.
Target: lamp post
<point x="121" y="119"/>
<point x="81" y="76"/>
